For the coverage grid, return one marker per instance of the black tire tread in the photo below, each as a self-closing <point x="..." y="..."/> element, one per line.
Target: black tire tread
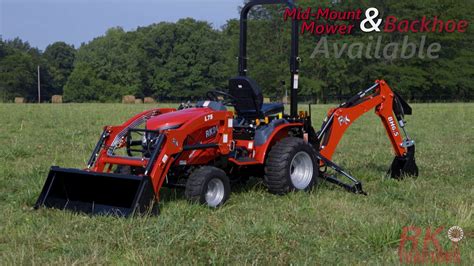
<point x="197" y="181"/>
<point x="276" y="178"/>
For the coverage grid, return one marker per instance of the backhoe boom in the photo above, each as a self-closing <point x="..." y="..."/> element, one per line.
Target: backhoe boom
<point x="391" y="108"/>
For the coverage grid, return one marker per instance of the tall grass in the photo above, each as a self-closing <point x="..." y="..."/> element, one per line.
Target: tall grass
<point x="326" y="226"/>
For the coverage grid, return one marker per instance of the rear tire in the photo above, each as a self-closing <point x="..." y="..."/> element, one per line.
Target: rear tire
<point x="291" y="165"/>
<point x="208" y="185"/>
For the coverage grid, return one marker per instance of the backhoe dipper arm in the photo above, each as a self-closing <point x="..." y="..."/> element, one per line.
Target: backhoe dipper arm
<point x="390" y="107"/>
<point x="380" y="97"/>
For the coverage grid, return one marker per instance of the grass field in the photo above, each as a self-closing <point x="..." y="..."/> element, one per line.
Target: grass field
<point x="326" y="226"/>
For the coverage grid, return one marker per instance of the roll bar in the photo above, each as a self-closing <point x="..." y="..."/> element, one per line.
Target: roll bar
<point x="294" y="59"/>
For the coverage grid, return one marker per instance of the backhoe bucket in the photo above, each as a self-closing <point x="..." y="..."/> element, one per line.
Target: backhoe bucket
<point x="403" y="166"/>
<point x="97" y="193"/>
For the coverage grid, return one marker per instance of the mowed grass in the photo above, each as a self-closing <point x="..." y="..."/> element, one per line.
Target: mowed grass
<point x="326" y="226"/>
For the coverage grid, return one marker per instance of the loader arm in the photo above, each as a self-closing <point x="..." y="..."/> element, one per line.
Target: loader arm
<point x="173" y="144"/>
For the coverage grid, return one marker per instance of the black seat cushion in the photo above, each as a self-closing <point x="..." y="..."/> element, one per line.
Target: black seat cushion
<point x="272" y="108"/>
<point x="249" y="99"/>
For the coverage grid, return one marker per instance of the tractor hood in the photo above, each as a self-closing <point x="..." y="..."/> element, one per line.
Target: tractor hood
<point x="175" y="119"/>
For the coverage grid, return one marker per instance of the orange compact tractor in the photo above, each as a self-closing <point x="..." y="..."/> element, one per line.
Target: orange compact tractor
<point x="204" y="148"/>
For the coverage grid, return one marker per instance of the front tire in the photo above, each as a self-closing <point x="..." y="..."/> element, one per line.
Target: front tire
<point x="291" y="165"/>
<point x="209" y="186"/>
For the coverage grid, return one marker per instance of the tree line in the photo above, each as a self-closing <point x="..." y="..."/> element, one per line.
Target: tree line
<point x="183" y="60"/>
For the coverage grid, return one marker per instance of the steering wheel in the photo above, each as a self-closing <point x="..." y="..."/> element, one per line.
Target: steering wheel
<point x="214" y="96"/>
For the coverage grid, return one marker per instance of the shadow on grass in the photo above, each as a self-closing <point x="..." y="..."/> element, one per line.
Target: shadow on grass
<point x="376" y="167"/>
<point x="251" y="185"/>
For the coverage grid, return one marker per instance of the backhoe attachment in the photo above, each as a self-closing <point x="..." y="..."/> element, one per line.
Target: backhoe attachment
<point x="355" y="187"/>
<point x="391" y="108"/>
<point x="403" y="165"/>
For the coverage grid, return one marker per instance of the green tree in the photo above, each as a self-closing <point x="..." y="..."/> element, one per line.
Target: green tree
<point x="104" y="69"/>
<point x="17" y="76"/>
<point x="185" y="59"/>
<point x="60" y="59"/>
<point x="18" y="70"/>
<point x="165" y="60"/>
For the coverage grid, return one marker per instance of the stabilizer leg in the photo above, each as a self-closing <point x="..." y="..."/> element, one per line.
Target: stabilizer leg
<point x="356" y="187"/>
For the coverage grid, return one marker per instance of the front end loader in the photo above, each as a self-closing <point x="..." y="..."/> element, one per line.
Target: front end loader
<point x="204" y="148"/>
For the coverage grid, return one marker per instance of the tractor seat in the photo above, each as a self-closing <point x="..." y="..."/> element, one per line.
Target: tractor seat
<point x="248" y="101"/>
<point x="272" y="108"/>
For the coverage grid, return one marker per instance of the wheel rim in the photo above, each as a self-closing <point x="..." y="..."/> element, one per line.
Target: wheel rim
<point x="301" y="170"/>
<point x="215" y="192"/>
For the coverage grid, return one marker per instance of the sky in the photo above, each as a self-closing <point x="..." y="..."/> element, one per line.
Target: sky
<point x="42" y="22"/>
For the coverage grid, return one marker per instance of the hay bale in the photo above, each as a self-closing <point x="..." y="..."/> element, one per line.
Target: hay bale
<point x="19" y="100"/>
<point x="266" y="100"/>
<point x="149" y="100"/>
<point x="128" y="99"/>
<point x="138" y="101"/>
<point x="57" y="99"/>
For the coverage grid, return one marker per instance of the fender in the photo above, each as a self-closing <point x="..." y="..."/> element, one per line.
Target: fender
<point x="278" y="132"/>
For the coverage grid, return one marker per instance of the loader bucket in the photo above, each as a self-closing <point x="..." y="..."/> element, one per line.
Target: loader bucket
<point x="96" y="193"/>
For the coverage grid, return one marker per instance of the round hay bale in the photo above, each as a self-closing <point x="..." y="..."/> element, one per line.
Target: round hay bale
<point x="149" y="100"/>
<point x="138" y="101"/>
<point x="266" y="100"/>
<point x="19" y="100"/>
<point x="128" y="99"/>
<point x="57" y="99"/>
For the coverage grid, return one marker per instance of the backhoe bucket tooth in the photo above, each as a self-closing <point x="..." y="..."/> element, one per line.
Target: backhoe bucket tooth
<point x="405" y="165"/>
<point x="97" y="193"/>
